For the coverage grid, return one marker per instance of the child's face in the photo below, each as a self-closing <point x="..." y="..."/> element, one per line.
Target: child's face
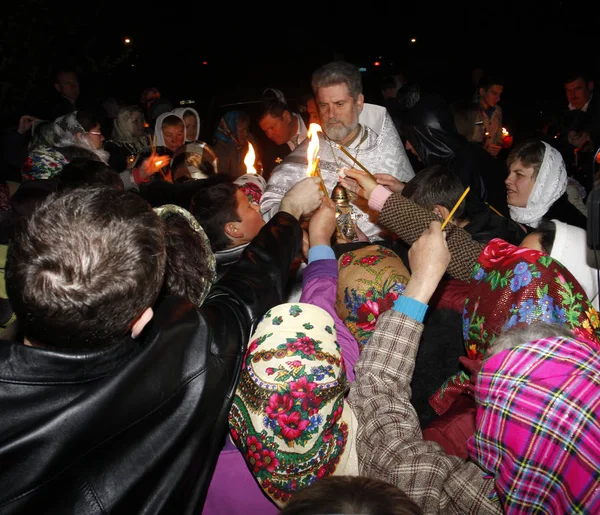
<point x="191" y="127"/>
<point x="174" y="136"/>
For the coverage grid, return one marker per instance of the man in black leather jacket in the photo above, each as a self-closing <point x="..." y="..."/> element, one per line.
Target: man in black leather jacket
<point x="109" y="407"/>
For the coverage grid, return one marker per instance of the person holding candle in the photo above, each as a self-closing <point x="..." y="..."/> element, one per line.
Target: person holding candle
<point x="490" y="93"/>
<point x="366" y="131"/>
<point x="231" y="140"/>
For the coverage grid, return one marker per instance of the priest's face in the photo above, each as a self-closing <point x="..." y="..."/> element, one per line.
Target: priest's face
<point x="339" y="112"/>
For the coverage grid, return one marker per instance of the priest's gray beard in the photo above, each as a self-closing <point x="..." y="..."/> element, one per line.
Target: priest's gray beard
<point x="339" y="132"/>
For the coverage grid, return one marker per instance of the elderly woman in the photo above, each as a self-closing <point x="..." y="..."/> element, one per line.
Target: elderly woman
<point x="536" y="186"/>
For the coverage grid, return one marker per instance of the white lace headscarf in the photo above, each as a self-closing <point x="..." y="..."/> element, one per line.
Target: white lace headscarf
<point x="69" y="132"/>
<point x="549" y="186"/>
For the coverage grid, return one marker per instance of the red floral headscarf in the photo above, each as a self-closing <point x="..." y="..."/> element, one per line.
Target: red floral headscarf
<point x="513" y="287"/>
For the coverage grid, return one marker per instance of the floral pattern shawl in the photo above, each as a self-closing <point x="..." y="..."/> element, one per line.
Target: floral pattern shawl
<point x="370" y="279"/>
<point x="512" y="287"/>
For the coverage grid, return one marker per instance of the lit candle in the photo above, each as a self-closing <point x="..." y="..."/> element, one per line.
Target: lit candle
<point x="250" y="159"/>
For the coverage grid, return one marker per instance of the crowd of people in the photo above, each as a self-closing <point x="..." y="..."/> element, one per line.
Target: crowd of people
<point x="188" y="326"/>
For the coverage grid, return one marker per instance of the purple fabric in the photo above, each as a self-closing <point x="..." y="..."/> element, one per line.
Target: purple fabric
<point x="319" y="287"/>
<point x="233" y="489"/>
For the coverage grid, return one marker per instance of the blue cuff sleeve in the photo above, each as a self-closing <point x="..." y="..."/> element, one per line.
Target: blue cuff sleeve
<point x="410" y="307"/>
<point x="319" y="252"/>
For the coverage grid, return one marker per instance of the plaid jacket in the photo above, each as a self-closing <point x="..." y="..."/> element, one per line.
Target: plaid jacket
<point x="408" y="220"/>
<point x="389" y="441"/>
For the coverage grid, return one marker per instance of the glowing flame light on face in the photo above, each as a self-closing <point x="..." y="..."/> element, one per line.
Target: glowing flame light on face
<point x="250" y="159"/>
<point x="313" y="149"/>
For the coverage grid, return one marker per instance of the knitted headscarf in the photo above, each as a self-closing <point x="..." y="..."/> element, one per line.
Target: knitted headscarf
<point x="289" y="417"/>
<point x="538" y="426"/>
<point x="513" y="287"/>
<point x="370" y="279"/>
<point x="549" y="186"/>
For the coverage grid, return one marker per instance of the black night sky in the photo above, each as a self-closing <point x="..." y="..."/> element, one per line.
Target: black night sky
<point x="250" y="46"/>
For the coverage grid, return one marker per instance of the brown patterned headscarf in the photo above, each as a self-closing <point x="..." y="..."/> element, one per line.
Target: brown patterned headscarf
<point x="370" y="279"/>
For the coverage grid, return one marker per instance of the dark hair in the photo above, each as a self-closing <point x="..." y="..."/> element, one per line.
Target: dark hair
<point x="436" y="185"/>
<point x="274" y="108"/>
<point x="338" y="72"/>
<point x="84" y="266"/>
<point x="82" y="171"/>
<point x="172" y="121"/>
<point x="488" y="80"/>
<point x="465" y="115"/>
<point x="350" y="495"/>
<point x="186" y="268"/>
<point x="531" y="154"/>
<point x="573" y="75"/>
<point x="547" y="232"/>
<point x="87" y="119"/>
<point x="214" y="207"/>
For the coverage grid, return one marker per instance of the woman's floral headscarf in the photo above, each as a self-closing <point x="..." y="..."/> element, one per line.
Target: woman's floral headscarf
<point x="510" y="287"/>
<point x="228" y="127"/>
<point x="370" y="279"/>
<point x="289" y="417"/>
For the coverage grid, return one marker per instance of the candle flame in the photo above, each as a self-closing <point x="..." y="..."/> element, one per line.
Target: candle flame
<point x="313" y="149"/>
<point x="504" y="131"/>
<point x="250" y="159"/>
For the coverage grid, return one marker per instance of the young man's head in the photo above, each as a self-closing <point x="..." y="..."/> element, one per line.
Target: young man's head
<point x="578" y="88"/>
<point x="490" y="91"/>
<point x="337" y="87"/>
<point x="277" y="121"/>
<point x="173" y="129"/>
<point x="226" y="215"/>
<point x="437" y="189"/>
<point x="67" y="84"/>
<point x="84" y="269"/>
<point x="468" y="120"/>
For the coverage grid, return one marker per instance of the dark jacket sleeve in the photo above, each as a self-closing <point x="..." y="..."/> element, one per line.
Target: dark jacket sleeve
<point x="237" y="301"/>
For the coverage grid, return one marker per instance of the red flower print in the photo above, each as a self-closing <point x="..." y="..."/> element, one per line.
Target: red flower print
<point x="327" y="436"/>
<point x="346" y="260"/>
<point x="370" y="260"/>
<point x="321" y="472"/>
<point x="367" y="315"/>
<point x="279" y="404"/>
<point x="301" y="388"/>
<point x="502" y="253"/>
<point x="311" y="403"/>
<point x="269" y="460"/>
<point x="387" y="302"/>
<point x="292" y="425"/>
<point x="254" y="460"/>
<point x="253" y="444"/>
<point x="303" y="344"/>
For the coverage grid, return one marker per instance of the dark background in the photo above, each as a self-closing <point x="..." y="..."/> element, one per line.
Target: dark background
<point x="250" y="46"/>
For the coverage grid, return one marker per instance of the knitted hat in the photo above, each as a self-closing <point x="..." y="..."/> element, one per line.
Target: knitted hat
<point x="514" y="287"/>
<point x="370" y="279"/>
<point x="538" y="426"/>
<point x="289" y="417"/>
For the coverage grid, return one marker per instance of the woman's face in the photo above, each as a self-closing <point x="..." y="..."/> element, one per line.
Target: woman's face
<point x="174" y="136"/>
<point x="191" y="127"/>
<point x="519" y="184"/>
<point x="242" y="132"/>
<point x="137" y="124"/>
<point x="95" y="137"/>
